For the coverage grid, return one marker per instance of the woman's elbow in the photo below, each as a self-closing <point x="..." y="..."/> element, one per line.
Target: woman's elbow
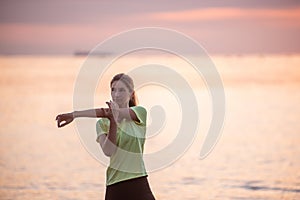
<point x="109" y="151"/>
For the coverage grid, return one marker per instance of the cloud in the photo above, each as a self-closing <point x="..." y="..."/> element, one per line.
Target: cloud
<point x="44" y="38"/>
<point x="213" y="14"/>
<point x="221" y="29"/>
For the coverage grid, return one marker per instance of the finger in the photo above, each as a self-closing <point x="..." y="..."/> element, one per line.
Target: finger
<point x="62" y="124"/>
<point x="109" y="104"/>
<point x="58" y="123"/>
<point x="105" y="110"/>
<point x="114" y="105"/>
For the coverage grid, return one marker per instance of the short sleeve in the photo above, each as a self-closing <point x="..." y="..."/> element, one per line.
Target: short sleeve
<point x="141" y="114"/>
<point x="102" y="126"/>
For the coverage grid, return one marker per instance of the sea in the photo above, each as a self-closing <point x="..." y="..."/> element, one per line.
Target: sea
<point x="255" y="153"/>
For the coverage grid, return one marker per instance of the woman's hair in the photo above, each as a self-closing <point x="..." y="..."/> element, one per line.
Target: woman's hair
<point x="127" y="80"/>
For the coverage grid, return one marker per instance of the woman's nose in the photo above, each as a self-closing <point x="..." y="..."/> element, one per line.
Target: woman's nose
<point x="117" y="94"/>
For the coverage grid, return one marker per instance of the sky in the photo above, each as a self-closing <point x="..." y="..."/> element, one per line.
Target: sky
<point x="221" y="27"/>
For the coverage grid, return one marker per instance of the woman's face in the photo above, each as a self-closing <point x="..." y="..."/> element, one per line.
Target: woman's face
<point x="120" y="93"/>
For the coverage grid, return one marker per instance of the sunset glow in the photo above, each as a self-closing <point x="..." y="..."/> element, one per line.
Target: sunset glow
<point x="58" y="27"/>
<point x="229" y="13"/>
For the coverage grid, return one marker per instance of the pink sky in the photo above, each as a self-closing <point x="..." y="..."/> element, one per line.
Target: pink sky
<point x="229" y="13"/>
<point x="55" y="28"/>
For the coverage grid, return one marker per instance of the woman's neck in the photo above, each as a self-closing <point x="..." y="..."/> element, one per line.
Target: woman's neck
<point x="124" y="106"/>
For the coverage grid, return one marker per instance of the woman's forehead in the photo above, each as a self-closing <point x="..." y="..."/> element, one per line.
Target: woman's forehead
<point x="118" y="84"/>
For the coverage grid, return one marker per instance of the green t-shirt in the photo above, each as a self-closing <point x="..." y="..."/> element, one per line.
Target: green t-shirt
<point x="127" y="162"/>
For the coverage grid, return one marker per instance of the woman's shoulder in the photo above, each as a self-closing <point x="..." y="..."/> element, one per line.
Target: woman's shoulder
<point x="139" y="109"/>
<point x="103" y="121"/>
<point x="141" y="114"/>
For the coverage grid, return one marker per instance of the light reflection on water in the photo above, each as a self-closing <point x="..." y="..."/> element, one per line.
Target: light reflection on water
<point x="256" y="157"/>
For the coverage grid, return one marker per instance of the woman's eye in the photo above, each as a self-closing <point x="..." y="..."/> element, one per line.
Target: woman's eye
<point x="119" y="90"/>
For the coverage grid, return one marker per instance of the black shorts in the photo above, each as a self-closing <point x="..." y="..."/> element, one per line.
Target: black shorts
<point x="133" y="189"/>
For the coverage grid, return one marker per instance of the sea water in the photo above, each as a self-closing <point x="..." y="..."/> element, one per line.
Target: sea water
<point x="256" y="156"/>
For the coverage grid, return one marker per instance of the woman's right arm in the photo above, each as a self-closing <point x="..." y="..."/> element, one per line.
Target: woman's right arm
<point x="108" y="142"/>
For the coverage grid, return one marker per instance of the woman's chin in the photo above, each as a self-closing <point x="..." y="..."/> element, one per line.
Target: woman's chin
<point x="120" y="103"/>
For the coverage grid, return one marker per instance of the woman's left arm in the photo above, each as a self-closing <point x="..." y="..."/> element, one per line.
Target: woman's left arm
<point x="66" y="118"/>
<point x="123" y="113"/>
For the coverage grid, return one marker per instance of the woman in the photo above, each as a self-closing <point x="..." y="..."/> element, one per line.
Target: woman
<point x="121" y="133"/>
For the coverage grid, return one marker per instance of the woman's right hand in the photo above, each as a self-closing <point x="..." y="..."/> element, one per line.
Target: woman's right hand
<point x="64" y="119"/>
<point x="113" y="111"/>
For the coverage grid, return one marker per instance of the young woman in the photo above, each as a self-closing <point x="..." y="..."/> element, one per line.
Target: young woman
<point x="121" y="133"/>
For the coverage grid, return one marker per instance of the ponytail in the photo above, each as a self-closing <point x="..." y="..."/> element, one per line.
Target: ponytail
<point x="133" y="100"/>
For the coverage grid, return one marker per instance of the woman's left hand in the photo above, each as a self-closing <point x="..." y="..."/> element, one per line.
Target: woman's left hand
<point x="64" y="119"/>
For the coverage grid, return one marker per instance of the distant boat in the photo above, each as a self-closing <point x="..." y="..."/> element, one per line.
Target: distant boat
<point x="87" y="53"/>
<point x="81" y="53"/>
